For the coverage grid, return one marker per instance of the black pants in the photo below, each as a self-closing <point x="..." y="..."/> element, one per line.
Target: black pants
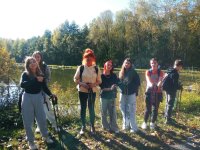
<point x="87" y="99"/>
<point x="152" y="106"/>
<point x="170" y="99"/>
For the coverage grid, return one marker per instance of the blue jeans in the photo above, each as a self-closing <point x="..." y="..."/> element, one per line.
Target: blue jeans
<point x="170" y="99"/>
<point x="108" y="109"/>
<point x="128" y="109"/>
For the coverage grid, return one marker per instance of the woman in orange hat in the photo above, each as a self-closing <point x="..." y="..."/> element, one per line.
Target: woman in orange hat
<point x="87" y="77"/>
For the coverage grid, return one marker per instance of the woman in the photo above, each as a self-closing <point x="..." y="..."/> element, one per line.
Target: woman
<point x="33" y="83"/>
<point x="108" y="95"/>
<point x="46" y="103"/>
<point x="153" y="93"/>
<point x="129" y="84"/>
<point x="88" y="77"/>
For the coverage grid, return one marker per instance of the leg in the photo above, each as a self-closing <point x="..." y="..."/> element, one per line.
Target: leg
<point x="49" y="113"/>
<point x="83" y="101"/>
<point x="123" y="108"/>
<point x="132" y="112"/>
<point x="91" y="105"/>
<point x="104" y="110"/>
<point x="28" y="116"/>
<point x="113" y="116"/>
<point x="148" y="107"/>
<point x="40" y="114"/>
<point x="155" y="107"/>
<point x="169" y="104"/>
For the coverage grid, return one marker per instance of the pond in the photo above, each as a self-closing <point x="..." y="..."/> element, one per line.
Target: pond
<point x="64" y="77"/>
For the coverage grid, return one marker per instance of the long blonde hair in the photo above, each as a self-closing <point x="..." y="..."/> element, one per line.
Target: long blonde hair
<point x="122" y="71"/>
<point x="27" y="68"/>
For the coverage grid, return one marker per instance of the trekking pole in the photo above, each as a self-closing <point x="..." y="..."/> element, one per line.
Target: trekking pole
<point x="57" y="119"/>
<point x="179" y="104"/>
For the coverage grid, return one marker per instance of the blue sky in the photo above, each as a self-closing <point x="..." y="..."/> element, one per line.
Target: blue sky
<point x="28" y="18"/>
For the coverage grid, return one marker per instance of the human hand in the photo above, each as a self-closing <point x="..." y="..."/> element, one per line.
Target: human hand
<point x="40" y="78"/>
<point x="113" y="87"/>
<point x="91" y="85"/>
<point x="84" y="85"/>
<point x="54" y="99"/>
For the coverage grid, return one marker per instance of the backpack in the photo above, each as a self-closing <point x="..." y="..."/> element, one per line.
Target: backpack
<point x="168" y="82"/>
<point x="82" y="68"/>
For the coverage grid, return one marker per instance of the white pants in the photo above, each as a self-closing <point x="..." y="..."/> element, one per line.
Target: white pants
<point x="32" y="108"/>
<point x="48" y="110"/>
<point x="128" y="109"/>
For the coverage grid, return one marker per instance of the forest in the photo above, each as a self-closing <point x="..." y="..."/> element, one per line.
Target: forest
<point x="167" y="29"/>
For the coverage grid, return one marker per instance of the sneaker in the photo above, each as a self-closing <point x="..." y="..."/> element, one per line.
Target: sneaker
<point x="133" y="131"/>
<point x="92" y="129"/>
<point x="82" y="130"/>
<point x="37" y="130"/>
<point x="116" y="131"/>
<point x="32" y="146"/>
<point x="144" y="125"/>
<point x="152" y="125"/>
<point x="48" y="140"/>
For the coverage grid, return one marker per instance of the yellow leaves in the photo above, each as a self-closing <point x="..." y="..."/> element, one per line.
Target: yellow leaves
<point x="194" y="25"/>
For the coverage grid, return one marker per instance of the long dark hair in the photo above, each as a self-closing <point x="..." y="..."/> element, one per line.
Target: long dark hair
<point x="122" y="71"/>
<point x="41" y="61"/>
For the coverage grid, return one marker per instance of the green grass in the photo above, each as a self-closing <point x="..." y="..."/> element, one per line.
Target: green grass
<point x="184" y="133"/>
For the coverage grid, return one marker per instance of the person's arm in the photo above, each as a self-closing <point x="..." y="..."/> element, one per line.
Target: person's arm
<point x="26" y="82"/>
<point x="46" y="89"/>
<point x="148" y="79"/>
<point x="160" y="79"/>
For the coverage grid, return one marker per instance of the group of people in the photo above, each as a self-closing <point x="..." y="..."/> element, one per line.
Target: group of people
<point x="35" y="103"/>
<point x="88" y="77"/>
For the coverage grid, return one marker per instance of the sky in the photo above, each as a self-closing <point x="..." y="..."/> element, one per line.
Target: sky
<point x="28" y="18"/>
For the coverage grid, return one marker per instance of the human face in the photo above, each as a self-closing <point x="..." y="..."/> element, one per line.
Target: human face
<point x="89" y="60"/>
<point x="33" y="65"/>
<point x="127" y="64"/>
<point x="154" y="64"/>
<point x="38" y="58"/>
<point x="108" y="66"/>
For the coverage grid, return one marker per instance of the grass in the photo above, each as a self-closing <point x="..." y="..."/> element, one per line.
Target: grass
<point x="183" y="134"/>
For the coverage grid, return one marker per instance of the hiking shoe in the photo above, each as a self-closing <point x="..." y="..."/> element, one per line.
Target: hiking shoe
<point x="144" y="125"/>
<point x="48" y="140"/>
<point x="82" y="130"/>
<point x="32" y="146"/>
<point x="152" y="125"/>
<point x="37" y="130"/>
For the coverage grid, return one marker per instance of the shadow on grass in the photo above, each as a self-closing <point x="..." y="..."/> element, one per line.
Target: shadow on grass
<point x="108" y="143"/>
<point x="67" y="141"/>
<point x="155" y="140"/>
<point x="182" y="140"/>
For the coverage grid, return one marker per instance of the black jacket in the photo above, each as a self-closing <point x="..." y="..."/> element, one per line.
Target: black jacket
<point x="130" y="83"/>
